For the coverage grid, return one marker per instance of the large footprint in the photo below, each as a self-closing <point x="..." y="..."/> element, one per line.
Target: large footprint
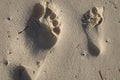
<point x="91" y="23"/>
<point x="43" y="27"/>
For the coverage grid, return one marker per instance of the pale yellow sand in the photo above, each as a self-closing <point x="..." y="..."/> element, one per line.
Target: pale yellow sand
<point x="65" y="57"/>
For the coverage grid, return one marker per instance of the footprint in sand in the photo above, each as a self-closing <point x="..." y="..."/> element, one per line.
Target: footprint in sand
<point x="91" y="22"/>
<point x="43" y="27"/>
<point x="20" y="73"/>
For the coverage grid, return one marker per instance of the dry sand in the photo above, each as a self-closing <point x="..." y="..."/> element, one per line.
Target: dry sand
<point x="59" y="40"/>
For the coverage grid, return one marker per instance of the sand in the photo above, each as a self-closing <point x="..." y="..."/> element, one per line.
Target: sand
<point x="59" y="40"/>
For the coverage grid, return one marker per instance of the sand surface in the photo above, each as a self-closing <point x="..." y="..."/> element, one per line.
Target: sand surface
<point x="59" y="40"/>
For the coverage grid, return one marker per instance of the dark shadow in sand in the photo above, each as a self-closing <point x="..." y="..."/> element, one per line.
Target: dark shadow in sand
<point x="41" y="36"/>
<point x="92" y="48"/>
<point x="20" y="73"/>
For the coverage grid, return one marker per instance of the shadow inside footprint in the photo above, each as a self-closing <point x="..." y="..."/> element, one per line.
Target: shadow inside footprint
<point x="20" y="73"/>
<point x="38" y="32"/>
<point x="93" y="49"/>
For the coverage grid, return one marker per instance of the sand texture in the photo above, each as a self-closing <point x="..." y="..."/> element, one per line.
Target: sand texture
<point x="59" y="40"/>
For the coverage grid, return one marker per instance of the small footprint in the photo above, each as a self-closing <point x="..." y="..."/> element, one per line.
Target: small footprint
<point x="43" y="27"/>
<point x="91" y="22"/>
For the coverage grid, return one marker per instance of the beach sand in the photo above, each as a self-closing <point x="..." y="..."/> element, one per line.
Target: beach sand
<point x="59" y="40"/>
